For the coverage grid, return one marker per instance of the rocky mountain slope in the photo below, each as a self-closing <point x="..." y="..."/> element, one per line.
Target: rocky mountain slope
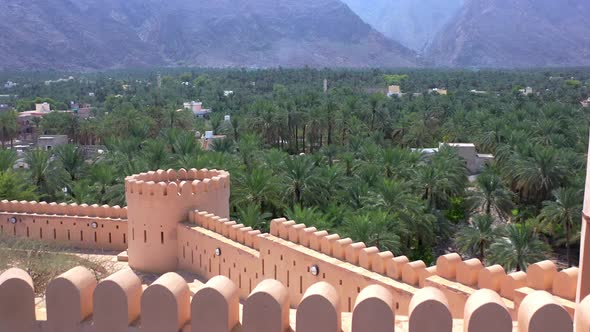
<point x="98" y="34"/>
<point x="413" y="23"/>
<point x="516" y="33"/>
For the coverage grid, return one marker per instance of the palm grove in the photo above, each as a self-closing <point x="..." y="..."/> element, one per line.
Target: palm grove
<point x="339" y="160"/>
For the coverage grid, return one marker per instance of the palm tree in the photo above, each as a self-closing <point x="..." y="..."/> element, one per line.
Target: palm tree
<point x="491" y="194"/>
<point x="397" y="199"/>
<point x="107" y="187"/>
<point x="8" y="127"/>
<point x="251" y="215"/>
<point x="71" y="159"/>
<point x="518" y="248"/>
<point x="566" y="208"/>
<point x="155" y="154"/>
<point x="442" y="177"/>
<point x="312" y="217"/>
<point x="476" y="238"/>
<point x="374" y="229"/>
<point x="223" y="145"/>
<point x="248" y="145"/>
<point x="301" y="180"/>
<point x="259" y="188"/>
<point x="7" y="159"/>
<point x="538" y="174"/>
<point x="82" y="192"/>
<point x="44" y="174"/>
<point x="14" y="187"/>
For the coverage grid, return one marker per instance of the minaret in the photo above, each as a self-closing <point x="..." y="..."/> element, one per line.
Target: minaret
<point x="325" y="85"/>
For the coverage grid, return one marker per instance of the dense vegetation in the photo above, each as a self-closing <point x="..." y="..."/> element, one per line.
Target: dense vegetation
<point x="339" y="160"/>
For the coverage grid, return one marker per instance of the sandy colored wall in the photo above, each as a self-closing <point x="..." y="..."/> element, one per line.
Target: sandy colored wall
<point x="290" y="250"/>
<point x="68" y="225"/>
<point x="76" y="302"/>
<point x="158" y="201"/>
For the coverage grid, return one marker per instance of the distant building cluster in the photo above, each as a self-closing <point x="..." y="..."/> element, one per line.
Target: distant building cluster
<point x="60" y="80"/>
<point x="10" y="84"/>
<point x="28" y="124"/>
<point x="395" y="90"/>
<point x="197" y="108"/>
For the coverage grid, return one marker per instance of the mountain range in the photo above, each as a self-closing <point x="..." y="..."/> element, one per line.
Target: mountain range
<point x="515" y="33"/>
<point x="96" y="34"/>
<point x="100" y="34"/>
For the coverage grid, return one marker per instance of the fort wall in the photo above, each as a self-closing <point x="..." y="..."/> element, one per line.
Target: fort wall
<point x="179" y="220"/>
<point x="82" y="226"/>
<point x="76" y="302"/>
<point x="291" y="250"/>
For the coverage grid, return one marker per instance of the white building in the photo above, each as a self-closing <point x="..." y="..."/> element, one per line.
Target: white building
<point x="526" y="91"/>
<point x="10" y="84"/>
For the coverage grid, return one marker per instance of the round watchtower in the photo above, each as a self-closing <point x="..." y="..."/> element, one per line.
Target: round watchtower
<point x="158" y="201"/>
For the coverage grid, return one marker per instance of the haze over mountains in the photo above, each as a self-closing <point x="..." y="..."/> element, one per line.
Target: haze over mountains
<point x="99" y="34"/>
<point x="412" y="23"/>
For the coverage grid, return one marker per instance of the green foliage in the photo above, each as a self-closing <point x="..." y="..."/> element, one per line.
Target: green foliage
<point x="519" y="247"/>
<point x="341" y="161"/>
<point x="14" y="187"/>
<point x="564" y="212"/>
<point x="573" y="83"/>
<point x="7" y="159"/>
<point x="374" y="229"/>
<point x="476" y="238"/>
<point x="394" y="78"/>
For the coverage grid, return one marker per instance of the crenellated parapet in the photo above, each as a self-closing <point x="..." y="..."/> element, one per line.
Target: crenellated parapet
<point x="76" y="302"/>
<point x="181" y="184"/>
<point x="63" y="209"/>
<point x="452" y="274"/>
<point x="81" y="226"/>
<point x="230" y="229"/>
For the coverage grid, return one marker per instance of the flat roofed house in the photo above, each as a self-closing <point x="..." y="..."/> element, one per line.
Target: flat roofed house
<point x="49" y="142"/>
